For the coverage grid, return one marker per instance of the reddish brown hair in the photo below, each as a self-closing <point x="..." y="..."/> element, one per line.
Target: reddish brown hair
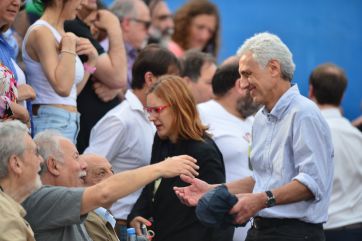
<point x="173" y="90"/>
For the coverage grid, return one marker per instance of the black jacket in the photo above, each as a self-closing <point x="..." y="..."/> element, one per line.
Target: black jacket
<point x="173" y="221"/>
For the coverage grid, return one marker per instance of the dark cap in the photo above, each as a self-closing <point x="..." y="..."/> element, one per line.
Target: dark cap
<point x="213" y="208"/>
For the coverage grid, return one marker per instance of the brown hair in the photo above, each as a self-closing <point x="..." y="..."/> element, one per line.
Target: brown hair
<point x="173" y="90"/>
<point x="329" y="83"/>
<point x="185" y="15"/>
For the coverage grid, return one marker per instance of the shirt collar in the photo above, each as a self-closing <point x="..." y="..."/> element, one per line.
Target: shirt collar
<point x="133" y="101"/>
<point x="107" y="216"/>
<point x="14" y="204"/>
<point x="282" y="104"/>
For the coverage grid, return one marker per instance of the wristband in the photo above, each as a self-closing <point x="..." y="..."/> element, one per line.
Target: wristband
<point x="89" y="69"/>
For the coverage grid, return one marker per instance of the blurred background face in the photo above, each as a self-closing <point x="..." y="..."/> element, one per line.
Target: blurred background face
<point x="71" y="8"/>
<point x="89" y="4"/>
<point x="73" y="168"/>
<point x="202" y="29"/>
<point x="8" y="11"/>
<point x="139" y="25"/>
<point x="202" y="89"/>
<point x="162" y="116"/>
<point x="162" y="20"/>
<point x="98" y="169"/>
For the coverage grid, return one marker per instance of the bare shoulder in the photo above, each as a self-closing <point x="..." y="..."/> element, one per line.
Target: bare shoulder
<point x="41" y="41"/>
<point x="41" y="36"/>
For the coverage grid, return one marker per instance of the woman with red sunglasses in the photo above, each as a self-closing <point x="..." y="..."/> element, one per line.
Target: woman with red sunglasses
<point x="172" y="109"/>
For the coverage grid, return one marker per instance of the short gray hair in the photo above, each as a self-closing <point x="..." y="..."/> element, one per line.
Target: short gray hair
<point x="124" y="8"/>
<point x="12" y="134"/>
<point x="265" y="47"/>
<point x="48" y="143"/>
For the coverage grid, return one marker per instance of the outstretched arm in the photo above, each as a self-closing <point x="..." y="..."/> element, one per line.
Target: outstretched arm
<point x="191" y="194"/>
<point x="124" y="183"/>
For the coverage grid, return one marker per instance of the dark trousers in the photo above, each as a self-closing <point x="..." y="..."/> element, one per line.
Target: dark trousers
<point x="351" y="232"/>
<point x="273" y="229"/>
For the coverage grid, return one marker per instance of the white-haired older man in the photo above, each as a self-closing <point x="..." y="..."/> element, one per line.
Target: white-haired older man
<point x="292" y="153"/>
<point x="57" y="213"/>
<point x="19" y="167"/>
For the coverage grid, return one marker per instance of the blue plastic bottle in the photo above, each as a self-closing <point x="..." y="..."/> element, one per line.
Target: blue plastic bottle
<point x="131" y="234"/>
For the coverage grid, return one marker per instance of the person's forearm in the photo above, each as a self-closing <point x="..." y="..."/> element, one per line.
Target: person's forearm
<point x="64" y="74"/>
<point x="113" y="72"/>
<point x="118" y="186"/>
<point x="19" y="112"/>
<point x="244" y="185"/>
<point x="291" y="192"/>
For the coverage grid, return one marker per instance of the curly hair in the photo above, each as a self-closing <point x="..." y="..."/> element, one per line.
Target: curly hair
<point x="185" y="15"/>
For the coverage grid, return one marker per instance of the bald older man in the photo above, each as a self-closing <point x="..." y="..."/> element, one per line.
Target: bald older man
<point x="99" y="223"/>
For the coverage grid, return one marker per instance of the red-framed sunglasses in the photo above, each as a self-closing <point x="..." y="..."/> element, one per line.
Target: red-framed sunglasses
<point x="156" y="109"/>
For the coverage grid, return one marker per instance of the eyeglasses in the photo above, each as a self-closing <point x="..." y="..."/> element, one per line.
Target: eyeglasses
<point x="156" y="109"/>
<point x="145" y="23"/>
<point x="164" y="17"/>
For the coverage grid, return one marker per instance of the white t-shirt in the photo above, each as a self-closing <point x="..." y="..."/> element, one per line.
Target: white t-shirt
<point x="346" y="200"/>
<point x="124" y="136"/>
<point x="232" y="135"/>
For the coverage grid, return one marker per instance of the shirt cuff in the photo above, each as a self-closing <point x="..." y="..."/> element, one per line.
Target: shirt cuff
<point x="311" y="184"/>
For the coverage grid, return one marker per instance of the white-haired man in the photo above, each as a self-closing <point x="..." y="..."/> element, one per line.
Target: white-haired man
<point x="57" y="213"/>
<point x="292" y="154"/>
<point x="19" y="167"/>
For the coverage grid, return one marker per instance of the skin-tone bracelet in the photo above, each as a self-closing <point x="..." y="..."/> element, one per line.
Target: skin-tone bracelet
<point x="89" y="69"/>
<point x="69" y="52"/>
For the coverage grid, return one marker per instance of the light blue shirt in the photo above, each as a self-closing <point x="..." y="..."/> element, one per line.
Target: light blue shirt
<point x="293" y="142"/>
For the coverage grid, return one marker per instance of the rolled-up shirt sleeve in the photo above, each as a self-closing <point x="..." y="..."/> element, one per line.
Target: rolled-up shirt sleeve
<point x="313" y="152"/>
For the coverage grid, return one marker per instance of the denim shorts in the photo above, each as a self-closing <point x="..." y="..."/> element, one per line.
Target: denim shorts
<point x="50" y="117"/>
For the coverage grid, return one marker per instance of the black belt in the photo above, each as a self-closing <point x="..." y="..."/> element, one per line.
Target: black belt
<point x="352" y="226"/>
<point x="264" y="223"/>
<point x="121" y="222"/>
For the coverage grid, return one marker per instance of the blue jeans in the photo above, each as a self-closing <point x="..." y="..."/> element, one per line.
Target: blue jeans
<point x="121" y="231"/>
<point x="50" y="117"/>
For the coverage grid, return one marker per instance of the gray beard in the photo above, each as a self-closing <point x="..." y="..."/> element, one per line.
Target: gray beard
<point x="246" y="107"/>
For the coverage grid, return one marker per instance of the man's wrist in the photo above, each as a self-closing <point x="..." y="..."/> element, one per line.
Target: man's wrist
<point x="270" y="199"/>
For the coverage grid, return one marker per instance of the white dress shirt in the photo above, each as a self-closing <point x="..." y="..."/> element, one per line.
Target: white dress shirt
<point x="346" y="201"/>
<point x="124" y="136"/>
